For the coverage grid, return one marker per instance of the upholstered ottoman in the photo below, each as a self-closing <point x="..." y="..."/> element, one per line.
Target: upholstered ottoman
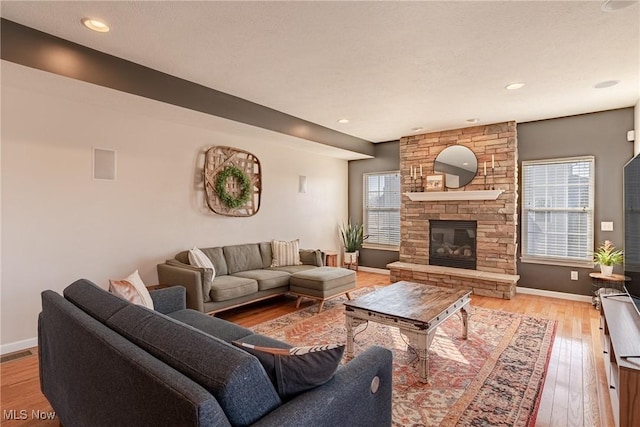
<point x="322" y="283"/>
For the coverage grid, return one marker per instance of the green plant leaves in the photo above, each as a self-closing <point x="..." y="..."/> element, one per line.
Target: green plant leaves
<point x="352" y="235"/>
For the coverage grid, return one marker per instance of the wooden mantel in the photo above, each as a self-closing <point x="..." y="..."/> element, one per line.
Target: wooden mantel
<point x="454" y="195"/>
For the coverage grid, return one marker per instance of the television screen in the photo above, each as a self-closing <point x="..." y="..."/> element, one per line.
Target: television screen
<point x="632" y="229"/>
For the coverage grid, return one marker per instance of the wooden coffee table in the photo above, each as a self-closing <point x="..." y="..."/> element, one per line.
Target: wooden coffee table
<point x="416" y="309"/>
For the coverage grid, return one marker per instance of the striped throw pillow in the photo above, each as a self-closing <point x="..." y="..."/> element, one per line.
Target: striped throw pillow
<point x="285" y="253"/>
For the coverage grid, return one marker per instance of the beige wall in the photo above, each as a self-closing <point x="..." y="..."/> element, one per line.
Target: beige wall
<point x="58" y="224"/>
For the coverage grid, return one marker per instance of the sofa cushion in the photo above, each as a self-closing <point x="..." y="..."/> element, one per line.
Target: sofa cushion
<point x="221" y="329"/>
<point x="216" y="255"/>
<point x="311" y="257"/>
<point x="265" y="252"/>
<point x="292" y="269"/>
<point x="183" y="257"/>
<point x="93" y="300"/>
<point x="297" y="369"/>
<point x="267" y="279"/>
<point x="324" y="278"/>
<point x="243" y="257"/>
<point x="235" y="378"/>
<point x="225" y="288"/>
<point x="285" y="253"/>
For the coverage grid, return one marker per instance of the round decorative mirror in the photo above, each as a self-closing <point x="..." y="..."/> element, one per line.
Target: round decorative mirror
<point x="458" y="164"/>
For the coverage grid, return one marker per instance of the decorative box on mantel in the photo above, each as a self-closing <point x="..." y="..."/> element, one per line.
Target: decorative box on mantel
<point x="495" y="210"/>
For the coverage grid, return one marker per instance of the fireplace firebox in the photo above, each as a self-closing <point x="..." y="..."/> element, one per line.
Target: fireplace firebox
<point x="453" y="243"/>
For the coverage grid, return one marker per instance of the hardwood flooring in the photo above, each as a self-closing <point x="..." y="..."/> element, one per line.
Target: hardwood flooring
<point x="575" y="392"/>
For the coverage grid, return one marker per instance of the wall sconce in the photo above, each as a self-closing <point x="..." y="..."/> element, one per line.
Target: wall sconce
<point x="302" y="184"/>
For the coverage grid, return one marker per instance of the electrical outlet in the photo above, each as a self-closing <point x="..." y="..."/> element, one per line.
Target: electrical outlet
<point x="574" y="275"/>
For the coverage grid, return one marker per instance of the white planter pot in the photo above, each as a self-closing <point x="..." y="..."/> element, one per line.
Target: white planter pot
<point x="350" y="257"/>
<point x="606" y="270"/>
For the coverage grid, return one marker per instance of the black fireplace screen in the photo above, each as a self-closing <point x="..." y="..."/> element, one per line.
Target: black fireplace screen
<point x="453" y="243"/>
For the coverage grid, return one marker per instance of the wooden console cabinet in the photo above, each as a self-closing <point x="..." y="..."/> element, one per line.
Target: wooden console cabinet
<point x="621" y="344"/>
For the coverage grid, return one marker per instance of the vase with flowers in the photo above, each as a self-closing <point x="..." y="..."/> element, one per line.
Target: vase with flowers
<point x="606" y="255"/>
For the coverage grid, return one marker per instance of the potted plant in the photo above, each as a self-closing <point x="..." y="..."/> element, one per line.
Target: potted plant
<point x="607" y="256"/>
<point x="353" y="237"/>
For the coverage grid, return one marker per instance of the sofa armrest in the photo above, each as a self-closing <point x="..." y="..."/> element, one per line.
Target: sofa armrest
<point x="168" y="300"/>
<point x="169" y="274"/>
<point x="347" y="400"/>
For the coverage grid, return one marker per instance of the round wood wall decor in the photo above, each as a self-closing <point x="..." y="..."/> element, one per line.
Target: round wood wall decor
<point x="232" y="181"/>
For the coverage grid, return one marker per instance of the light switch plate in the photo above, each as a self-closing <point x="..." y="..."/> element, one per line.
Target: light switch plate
<point x="574" y="275"/>
<point x="606" y="226"/>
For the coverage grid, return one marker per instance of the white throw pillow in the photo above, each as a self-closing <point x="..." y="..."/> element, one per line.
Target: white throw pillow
<point x="132" y="289"/>
<point x="197" y="258"/>
<point x="285" y="253"/>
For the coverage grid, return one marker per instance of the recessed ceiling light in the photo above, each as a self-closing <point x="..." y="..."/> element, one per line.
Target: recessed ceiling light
<point x="473" y="120"/>
<point x="417" y="129"/>
<point x="343" y="121"/>
<point x="95" y="25"/>
<point x="612" y="5"/>
<point x="606" y="83"/>
<point x="514" y="86"/>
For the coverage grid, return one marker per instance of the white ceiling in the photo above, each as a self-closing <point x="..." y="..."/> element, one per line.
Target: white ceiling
<point x="388" y="67"/>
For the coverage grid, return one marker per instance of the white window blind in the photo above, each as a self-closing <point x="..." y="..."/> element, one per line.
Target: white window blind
<point x="382" y="208"/>
<point x="557" y="211"/>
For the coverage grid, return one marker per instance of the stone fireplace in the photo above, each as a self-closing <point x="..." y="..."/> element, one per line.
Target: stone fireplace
<point x="495" y="219"/>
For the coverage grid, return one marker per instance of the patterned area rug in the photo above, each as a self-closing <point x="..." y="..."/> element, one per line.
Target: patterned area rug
<point x="494" y="378"/>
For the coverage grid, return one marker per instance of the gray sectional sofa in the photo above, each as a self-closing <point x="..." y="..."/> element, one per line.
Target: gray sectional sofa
<point x="243" y="274"/>
<point x="107" y="362"/>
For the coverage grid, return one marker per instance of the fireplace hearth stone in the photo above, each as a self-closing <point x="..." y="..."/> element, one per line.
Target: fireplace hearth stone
<point x="484" y="283"/>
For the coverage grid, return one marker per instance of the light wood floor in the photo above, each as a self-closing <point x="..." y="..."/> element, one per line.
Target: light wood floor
<point x="575" y="392"/>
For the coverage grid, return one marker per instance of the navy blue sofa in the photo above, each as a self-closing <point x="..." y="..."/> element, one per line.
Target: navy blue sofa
<point x="106" y="362"/>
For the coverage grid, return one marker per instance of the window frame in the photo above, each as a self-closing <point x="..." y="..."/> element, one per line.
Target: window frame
<point x="587" y="261"/>
<point x="365" y="192"/>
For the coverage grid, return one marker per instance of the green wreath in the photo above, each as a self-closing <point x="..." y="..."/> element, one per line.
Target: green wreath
<point x="221" y="187"/>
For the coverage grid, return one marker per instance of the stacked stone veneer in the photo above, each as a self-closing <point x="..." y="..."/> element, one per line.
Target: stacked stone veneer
<point x="497" y="219"/>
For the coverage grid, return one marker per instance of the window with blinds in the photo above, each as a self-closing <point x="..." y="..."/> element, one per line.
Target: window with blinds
<point x="382" y="208"/>
<point x="557" y="211"/>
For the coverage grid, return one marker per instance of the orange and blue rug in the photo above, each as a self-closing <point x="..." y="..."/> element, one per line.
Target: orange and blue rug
<point x="494" y="378"/>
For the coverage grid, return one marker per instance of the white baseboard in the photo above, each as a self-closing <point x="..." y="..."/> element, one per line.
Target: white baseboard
<point x="374" y="270"/>
<point x="553" y="294"/>
<point x="12" y="347"/>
